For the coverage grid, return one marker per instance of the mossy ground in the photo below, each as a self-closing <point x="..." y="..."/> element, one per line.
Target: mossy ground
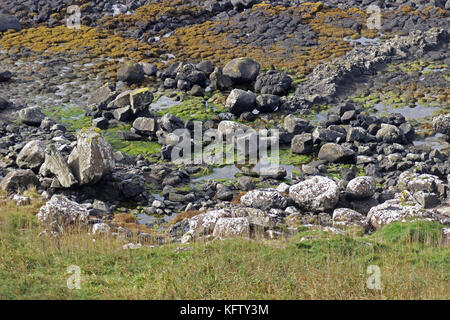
<point x="71" y="116"/>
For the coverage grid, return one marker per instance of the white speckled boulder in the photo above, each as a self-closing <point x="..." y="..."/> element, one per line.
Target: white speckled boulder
<point x="421" y="182"/>
<point x="204" y="223"/>
<point x="232" y="228"/>
<point x="264" y="199"/>
<point x="92" y="158"/>
<point x="344" y="218"/>
<point x="60" y="212"/>
<point x="316" y="194"/>
<point x="361" y="188"/>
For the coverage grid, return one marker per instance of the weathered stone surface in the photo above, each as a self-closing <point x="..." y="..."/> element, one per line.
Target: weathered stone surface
<point x="316" y="194"/>
<point x="32" y="155"/>
<point x="242" y="70"/>
<point x="295" y="125"/>
<point x="264" y="199"/>
<point x="220" y="81"/>
<point x="92" y="158"/>
<point x="60" y="213"/>
<point x="131" y="72"/>
<point x="267" y="103"/>
<point x="333" y="152"/>
<point x="302" y="144"/>
<point x="231" y="128"/>
<point x="145" y="125"/>
<point x="57" y="165"/>
<point x="140" y="100"/>
<point x="273" y="82"/>
<point x="19" y="180"/>
<point x="361" y="188"/>
<point x="390" y="134"/>
<point x="240" y="101"/>
<point x="204" y="223"/>
<point x="344" y="218"/>
<point x="31" y="116"/>
<point x="441" y="124"/>
<point x="9" y="22"/>
<point x="232" y="228"/>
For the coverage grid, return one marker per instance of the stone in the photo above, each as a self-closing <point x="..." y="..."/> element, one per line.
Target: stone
<point x="149" y="69"/>
<point x="390" y="134"/>
<point x="232" y="228"/>
<point x="267" y="103"/>
<point x="245" y="183"/>
<point x="140" y="100"/>
<point x="122" y="114"/>
<point x="361" y="188"/>
<point x="219" y="81"/>
<point x="102" y="96"/>
<point x="328" y="135"/>
<point x="32" y="155"/>
<point x="131" y="72"/>
<point x="57" y="166"/>
<point x="205" y="66"/>
<point x="333" y="152"/>
<point x="240" y="101"/>
<point x="231" y="128"/>
<point x="4" y="104"/>
<point x="426" y="199"/>
<point x="60" y="213"/>
<point x="5" y="76"/>
<point x="316" y="194"/>
<point x="19" y="180"/>
<point x="295" y="125"/>
<point x="101" y="228"/>
<point x="204" y="223"/>
<point x="170" y="123"/>
<point x="9" y="22"/>
<point x="101" y="123"/>
<point x="302" y="144"/>
<point x="145" y="125"/>
<point x="242" y="70"/>
<point x="31" y="116"/>
<point x="224" y="193"/>
<point x="273" y="82"/>
<point x="92" y="158"/>
<point x="264" y="199"/>
<point x="344" y="218"/>
<point x="441" y="124"/>
<point x="242" y="4"/>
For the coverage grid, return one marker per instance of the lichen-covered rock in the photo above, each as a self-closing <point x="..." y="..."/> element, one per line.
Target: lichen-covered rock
<point x="302" y="143"/>
<point x="60" y="213"/>
<point x="421" y="182"/>
<point x="264" y="199"/>
<point x="92" y="158"/>
<point x="19" y="180"/>
<point x="344" y="218"/>
<point x="32" y="155"/>
<point x="441" y="124"/>
<point x="145" y="125"/>
<point x="361" y="188"/>
<point x="240" y="101"/>
<point x="204" y="223"/>
<point x="242" y="70"/>
<point x="57" y="166"/>
<point x="333" y="152"/>
<point x="232" y="228"/>
<point x="101" y="228"/>
<point x="315" y="194"/>
<point x="398" y="210"/>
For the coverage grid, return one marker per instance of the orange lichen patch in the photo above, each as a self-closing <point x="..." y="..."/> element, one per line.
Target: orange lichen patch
<point x="186" y="215"/>
<point x="237" y="199"/>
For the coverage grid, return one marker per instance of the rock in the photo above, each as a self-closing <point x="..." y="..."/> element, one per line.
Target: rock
<point x="149" y="69"/>
<point x="145" y="126"/>
<point x="344" y="218"/>
<point x="21" y="200"/>
<point x="57" y="165"/>
<point x="316" y="194"/>
<point x="205" y="66"/>
<point x="101" y="228"/>
<point x="267" y="103"/>
<point x="283" y="188"/>
<point x="245" y="183"/>
<point x="204" y="223"/>
<point x="426" y="199"/>
<point x="131" y="72"/>
<point x="361" y="188"/>
<point x="3" y="104"/>
<point x="264" y="199"/>
<point x="9" y="22"/>
<point x="170" y="123"/>
<point x="302" y="144"/>
<point x="31" y="116"/>
<point x="397" y="210"/>
<point x="273" y="82"/>
<point x="357" y="134"/>
<point x="231" y="128"/>
<point x="441" y="124"/>
<point x="5" y="76"/>
<point x="140" y="100"/>
<point x="242" y="70"/>
<point x="390" y="134"/>
<point x="232" y="228"/>
<point x="122" y="114"/>
<point x="32" y="156"/>
<point x="242" y="4"/>
<point x="240" y="101"/>
<point x="295" y="125"/>
<point x="19" y="180"/>
<point x="333" y="152"/>
<point x="329" y="135"/>
<point x="102" y="96"/>
<point x="219" y="81"/>
<point x="92" y="158"/>
<point x="224" y="193"/>
<point x="60" y="213"/>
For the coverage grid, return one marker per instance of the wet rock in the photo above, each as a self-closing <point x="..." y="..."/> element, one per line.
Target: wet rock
<point x="131" y="72"/>
<point x="344" y="218"/>
<point x="264" y="199"/>
<point x="92" y="158"/>
<point x="315" y="194"/>
<point x="302" y="144"/>
<point x="59" y="213"/>
<point x="267" y="103"/>
<point x="19" y="180"/>
<point x="220" y="81"/>
<point x="295" y="125"/>
<point x="361" y="188"/>
<point x="333" y="152"/>
<point x="441" y="124"/>
<point x="9" y="22"/>
<point x="32" y="155"/>
<point x="31" y="116"/>
<point x="240" y="101"/>
<point x="242" y="70"/>
<point x="232" y="228"/>
<point x="273" y="82"/>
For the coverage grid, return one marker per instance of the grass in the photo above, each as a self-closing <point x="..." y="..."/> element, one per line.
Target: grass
<point x="70" y="116"/>
<point x="325" y="266"/>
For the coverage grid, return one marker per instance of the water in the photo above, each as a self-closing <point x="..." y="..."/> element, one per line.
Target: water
<point x="413" y="113"/>
<point x="164" y="103"/>
<point x="436" y="142"/>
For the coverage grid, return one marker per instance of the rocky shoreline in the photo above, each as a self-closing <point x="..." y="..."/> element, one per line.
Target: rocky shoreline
<point x="98" y="145"/>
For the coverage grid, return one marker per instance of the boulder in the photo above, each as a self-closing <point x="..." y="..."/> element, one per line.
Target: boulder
<point x="242" y="4"/>
<point x="9" y="22"/>
<point x="3" y="104"/>
<point x="149" y="69"/>
<point x="232" y="228"/>
<point x="204" y="223"/>
<point x="145" y="126"/>
<point x="131" y="72"/>
<point x="57" y="166"/>
<point x="92" y="158"/>
<point x="220" y="81"/>
<point x="170" y="123"/>
<point x="302" y="144"/>
<point x="441" y="124"/>
<point x="32" y="155"/>
<point x="19" y="180"/>
<point x="333" y="152"/>
<point x="245" y="183"/>
<point x="242" y="70"/>
<point x="390" y="134"/>
<point x="330" y="134"/>
<point x="140" y="100"/>
<point x="230" y="128"/>
<point x="102" y="96"/>
<point x="273" y="82"/>
<point x="267" y="103"/>
<point x="60" y="213"/>
<point x="206" y="66"/>
<point x="344" y="218"/>
<point x="316" y="194"/>
<point x="31" y="116"/>
<point x="361" y="188"/>
<point x="264" y="199"/>
<point x="295" y="125"/>
<point x="5" y="76"/>
<point x="240" y="101"/>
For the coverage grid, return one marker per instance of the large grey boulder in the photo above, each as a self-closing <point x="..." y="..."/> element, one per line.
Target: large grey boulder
<point x="92" y="158"/>
<point x="58" y="167"/>
<point x="302" y="143"/>
<point x="60" y="213"/>
<point x="31" y="116"/>
<point x="361" y="188"/>
<point x="170" y="123"/>
<point x="230" y="128"/>
<point x="145" y="125"/>
<point x="102" y="96"/>
<point x="19" y="180"/>
<point x="344" y="218"/>
<point x="9" y="22"/>
<point x="242" y="70"/>
<point x="240" y="101"/>
<point x="32" y="155"/>
<point x="232" y="228"/>
<point x="264" y="199"/>
<point x="441" y="124"/>
<point x="131" y="72"/>
<point x="316" y="194"/>
<point x="295" y="125"/>
<point x="267" y="103"/>
<point x="273" y="82"/>
<point x="333" y="152"/>
<point x="204" y="223"/>
<point x="220" y="81"/>
<point x="390" y="134"/>
<point x="140" y="100"/>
